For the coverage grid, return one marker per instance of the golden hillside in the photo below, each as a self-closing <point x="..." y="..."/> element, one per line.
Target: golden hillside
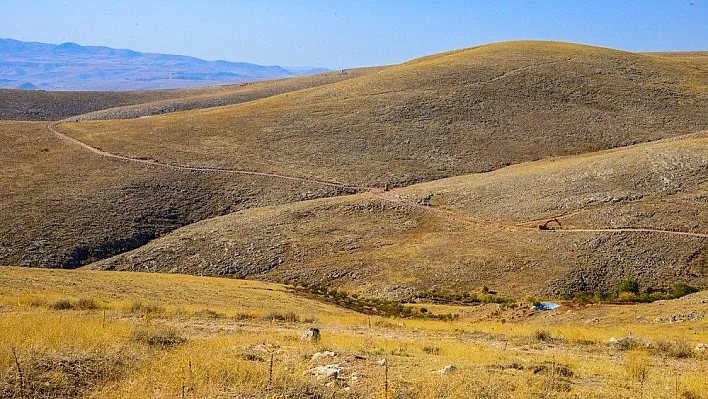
<point x="63" y="206"/>
<point x="467" y="111"/>
<point x="637" y="212"/>
<point x="450" y="114"/>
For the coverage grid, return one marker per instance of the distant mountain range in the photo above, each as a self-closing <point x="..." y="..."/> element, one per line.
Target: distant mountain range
<point x="69" y="66"/>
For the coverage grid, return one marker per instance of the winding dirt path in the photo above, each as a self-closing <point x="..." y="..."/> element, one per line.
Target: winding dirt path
<point x="373" y="191"/>
<point x="466" y="218"/>
<point x="51" y="128"/>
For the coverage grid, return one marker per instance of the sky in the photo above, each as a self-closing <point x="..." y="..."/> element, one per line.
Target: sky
<point x="344" y="34"/>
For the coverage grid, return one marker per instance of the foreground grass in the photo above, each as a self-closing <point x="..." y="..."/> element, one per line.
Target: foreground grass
<point x="134" y="335"/>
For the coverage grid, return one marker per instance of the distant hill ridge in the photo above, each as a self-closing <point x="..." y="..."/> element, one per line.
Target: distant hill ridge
<point x="70" y="66"/>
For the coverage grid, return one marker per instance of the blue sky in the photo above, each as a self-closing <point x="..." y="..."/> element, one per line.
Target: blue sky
<point x="340" y="34"/>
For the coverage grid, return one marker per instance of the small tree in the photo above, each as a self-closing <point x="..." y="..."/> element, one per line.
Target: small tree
<point x="628" y="285"/>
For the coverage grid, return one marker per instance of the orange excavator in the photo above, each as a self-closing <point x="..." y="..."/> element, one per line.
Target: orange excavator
<point x="545" y="226"/>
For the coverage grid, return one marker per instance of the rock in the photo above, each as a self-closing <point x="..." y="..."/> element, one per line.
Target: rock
<point x="328" y="371"/>
<point x="446" y="370"/>
<point x="323" y="355"/>
<point x="381" y="362"/>
<point x="260" y="348"/>
<point x="312" y="334"/>
<point x="701" y="347"/>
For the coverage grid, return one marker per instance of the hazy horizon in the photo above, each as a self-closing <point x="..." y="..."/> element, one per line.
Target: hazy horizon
<point x="343" y="35"/>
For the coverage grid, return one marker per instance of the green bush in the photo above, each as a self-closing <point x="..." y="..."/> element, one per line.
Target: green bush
<point x="681" y="289"/>
<point x="628" y="285"/>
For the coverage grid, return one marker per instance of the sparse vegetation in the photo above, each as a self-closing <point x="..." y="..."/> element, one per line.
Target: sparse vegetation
<point x="542" y="335"/>
<point x="145" y="309"/>
<point x="371" y="306"/>
<point x="289" y="317"/>
<point x="628" y="291"/>
<point x="463" y="298"/>
<point x="114" y="354"/>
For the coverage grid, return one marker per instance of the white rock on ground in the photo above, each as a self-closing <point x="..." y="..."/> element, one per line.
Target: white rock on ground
<point x="446" y="370"/>
<point x="323" y="355"/>
<point x="328" y="371"/>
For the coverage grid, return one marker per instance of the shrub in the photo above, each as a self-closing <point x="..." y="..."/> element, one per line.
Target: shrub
<point x="638" y="366"/>
<point x="209" y="314"/>
<point x="678" y="349"/>
<point x="86" y="304"/>
<point x="682" y="289"/>
<point x="62" y="304"/>
<point x="145" y="309"/>
<point x="542" y="335"/>
<point x="627" y="296"/>
<point x="431" y="349"/>
<point x="163" y="338"/>
<point x="628" y="285"/>
<point x="244" y="316"/>
<point x="287" y="317"/>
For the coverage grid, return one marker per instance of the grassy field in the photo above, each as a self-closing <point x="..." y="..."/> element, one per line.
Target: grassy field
<point x="135" y="335"/>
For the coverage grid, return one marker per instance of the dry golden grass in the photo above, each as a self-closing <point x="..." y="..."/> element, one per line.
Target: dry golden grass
<point x="62" y="353"/>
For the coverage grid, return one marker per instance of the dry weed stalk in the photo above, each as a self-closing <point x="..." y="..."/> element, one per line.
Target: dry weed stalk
<point x="19" y="373"/>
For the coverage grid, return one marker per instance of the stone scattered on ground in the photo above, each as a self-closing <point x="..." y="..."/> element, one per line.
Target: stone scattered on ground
<point x="678" y="318"/>
<point x="312" y="334"/>
<point x="701" y="347"/>
<point x="323" y="355"/>
<point x="446" y="370"/>
<point x="328" y="371"/>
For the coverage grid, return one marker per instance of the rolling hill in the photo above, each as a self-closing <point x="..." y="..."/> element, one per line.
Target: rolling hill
<point x="56" y="105"/>
<point x="64" y="206"/>
<point x="463" y="117"/>
<point x="637" y="212"/>
<point x="467" y="111"/>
